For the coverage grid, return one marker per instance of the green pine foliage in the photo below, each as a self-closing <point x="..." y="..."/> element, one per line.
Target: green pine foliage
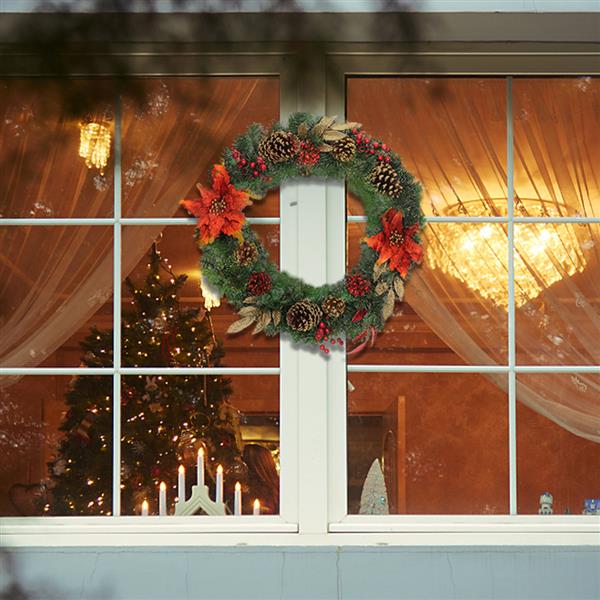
<point x="164" y="420"/>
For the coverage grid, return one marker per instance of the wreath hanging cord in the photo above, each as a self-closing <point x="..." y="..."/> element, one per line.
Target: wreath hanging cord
<point x="234" y="261"/>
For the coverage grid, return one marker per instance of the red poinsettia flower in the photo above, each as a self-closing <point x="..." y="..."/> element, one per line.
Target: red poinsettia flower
<point x="219" y="209"/>
<point x="395" y="243"/>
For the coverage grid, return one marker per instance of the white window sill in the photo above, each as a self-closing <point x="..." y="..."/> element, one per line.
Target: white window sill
<point x="574" y="530"/>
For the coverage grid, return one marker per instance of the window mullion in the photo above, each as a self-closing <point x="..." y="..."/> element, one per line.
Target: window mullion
<point x="116" y="439"/>
<point x="312" y="366"/>
<point x="512" y="397"/>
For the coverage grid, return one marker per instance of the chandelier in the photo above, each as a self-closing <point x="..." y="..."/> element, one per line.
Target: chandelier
<point x="94" y="144"/>
<point x="477" y="255"/>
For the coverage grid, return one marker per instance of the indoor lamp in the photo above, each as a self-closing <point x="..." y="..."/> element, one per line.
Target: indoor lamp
<point x="477" y="255"/>
<point x="94" y="144"/>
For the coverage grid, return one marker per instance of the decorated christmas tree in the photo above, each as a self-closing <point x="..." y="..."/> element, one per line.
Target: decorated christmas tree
<point x="164" y="419"/>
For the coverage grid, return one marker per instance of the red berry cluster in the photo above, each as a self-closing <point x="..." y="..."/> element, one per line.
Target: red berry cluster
<point x="249" y="168"/>
<point x="370" y="146"/>
<point x="323" y="334"/>
<point x="357" y="285"/>
<point x="309" y="154"/>
<point x="259" y="284"/>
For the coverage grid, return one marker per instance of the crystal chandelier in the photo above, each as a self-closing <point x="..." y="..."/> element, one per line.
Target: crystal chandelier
<point x="477" y="255"/>
<point x="94" y="144"/>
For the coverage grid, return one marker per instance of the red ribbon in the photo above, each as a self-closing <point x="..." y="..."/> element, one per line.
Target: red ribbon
<point x="369" y="335"/>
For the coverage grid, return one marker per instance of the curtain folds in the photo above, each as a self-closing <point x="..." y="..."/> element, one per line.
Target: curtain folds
<point x="53" y="279"/>
<point x="557" y="147"/>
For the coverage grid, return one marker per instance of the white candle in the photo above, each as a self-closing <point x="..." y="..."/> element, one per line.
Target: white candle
<point x="256" y="509"/>
<point x="181" y="483"/>
<point x="219" y="488"/>
<point x="145" y="508"/>
<point x="200" y="466"/>
<point x="162" y="499"/>
<point x="237" y="499"/>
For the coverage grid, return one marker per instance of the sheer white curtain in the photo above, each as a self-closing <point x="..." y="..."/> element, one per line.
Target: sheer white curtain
<point x="452" y="134"/>
<point x="54" y="279"/>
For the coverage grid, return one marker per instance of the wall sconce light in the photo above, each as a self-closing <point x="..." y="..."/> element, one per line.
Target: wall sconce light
<point x="94" y="144"/>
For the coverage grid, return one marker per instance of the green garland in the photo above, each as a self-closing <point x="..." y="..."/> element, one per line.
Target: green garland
<point x="234" y="261"/>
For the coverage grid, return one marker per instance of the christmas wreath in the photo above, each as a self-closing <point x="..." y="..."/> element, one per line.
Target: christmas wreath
<point x="234" y="261"/>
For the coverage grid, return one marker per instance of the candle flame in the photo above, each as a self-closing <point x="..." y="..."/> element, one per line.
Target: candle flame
<point x="256" y="504"/>
<point x="220" y="469"/>
<point x="163" y="486"/>
<point x="181" y="469"/>
<point x="238" y="486"/>
<point x="144" y="505"/>
<point x="201" y="452"/>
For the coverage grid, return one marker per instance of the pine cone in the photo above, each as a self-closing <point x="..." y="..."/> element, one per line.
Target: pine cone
<point x="333" y="307"/>
<point x="279" y="146"/>
<point x="303" y="316"/>
<point x="344" y="150"/>
<point x="259" y="284"/>
<point x="246" y="253"/>
<point x="357" y="285"/>
<point x="385" y="178"/>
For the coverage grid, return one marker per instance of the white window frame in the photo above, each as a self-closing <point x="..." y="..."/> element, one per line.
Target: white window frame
<point x="313" y="390"/>
<point x="502" y="65"/>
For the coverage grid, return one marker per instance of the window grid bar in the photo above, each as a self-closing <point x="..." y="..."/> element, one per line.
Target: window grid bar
<point x="116" y="403"/>
<point x="126" y="220"/>
<point x="243" y="371"/>
<point x="512" y="397"/>
<point x="6" y="371"/>
<point x="490" y="219"/>
<point x="277" y="220"/>
<point x="473" y="369"/>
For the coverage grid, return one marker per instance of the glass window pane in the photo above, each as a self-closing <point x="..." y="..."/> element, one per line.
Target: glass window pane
<point x="175" y="129"/>
<point x="558" y="441"/>
<point x="55" y="288"/>
<point x="557" y="294"/>
<point x="449" y="132"/>
<point x="161" y="326"/>
<point x="48" y="129"/>
<point x="57" y="432"/>
<point x="557" y="144"/>
<point x="454" y="309"/>
<point x="441" y="438"/>
<point x="166" y="420"/>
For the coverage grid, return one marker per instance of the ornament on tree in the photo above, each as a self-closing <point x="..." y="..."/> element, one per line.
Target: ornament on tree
<point x="246" y="253"/>
<point x="155" y="407"/>
<point x="151" y="385"/>
<point x="259" y="284"/>
<point x="303" y="316"/>
<point x="89" y="358"/>
<point x="279" y="146"/>
<point x="344" y="149"/>
<point x="374" y="498"/>
<point x="333" y="307"/>
<point x="138" y="447"/>
<point x="81" y="433"/>
<point x="386" y="180"/>
<point x="357" y="285"/>
<point x="59" y="466"/>
<point x="237" y="470"/>
<point x="159" y="323"/>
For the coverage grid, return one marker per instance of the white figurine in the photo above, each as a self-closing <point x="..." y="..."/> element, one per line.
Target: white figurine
<point x="546" y="501"/>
